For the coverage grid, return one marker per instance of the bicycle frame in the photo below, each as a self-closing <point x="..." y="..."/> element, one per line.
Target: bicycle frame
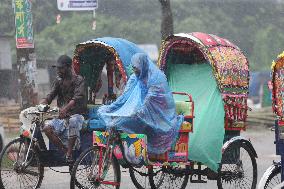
<point x="104" y="158"/>
<point x="33" y="133"/>
<point x="33" y="128"/>
<point x="29" y="132"/>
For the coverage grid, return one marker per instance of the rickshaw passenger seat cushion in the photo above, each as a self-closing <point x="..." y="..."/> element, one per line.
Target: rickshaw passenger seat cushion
<point x="183" y="107"/>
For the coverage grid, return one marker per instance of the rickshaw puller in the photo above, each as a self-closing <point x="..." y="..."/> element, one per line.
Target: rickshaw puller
<point x="69" y="89"/>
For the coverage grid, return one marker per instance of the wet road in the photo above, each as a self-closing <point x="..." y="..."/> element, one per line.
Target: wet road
<point x="262" y="140"/>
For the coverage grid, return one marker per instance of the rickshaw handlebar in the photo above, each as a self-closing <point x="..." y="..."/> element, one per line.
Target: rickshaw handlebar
<point x="54" y="110"/>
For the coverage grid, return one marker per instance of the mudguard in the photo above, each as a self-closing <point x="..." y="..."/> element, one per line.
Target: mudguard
<point x="242" y="140"/>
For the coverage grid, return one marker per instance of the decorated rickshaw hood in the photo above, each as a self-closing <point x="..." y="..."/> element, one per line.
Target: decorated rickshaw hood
<point x="122" y="49"/>
<point x="208" y="40"/>
<point x="230" y="66"/>
<point x="277" y="80"/>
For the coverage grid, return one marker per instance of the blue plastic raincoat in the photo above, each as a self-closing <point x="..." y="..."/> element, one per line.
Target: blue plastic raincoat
<point x="146" y="107"/>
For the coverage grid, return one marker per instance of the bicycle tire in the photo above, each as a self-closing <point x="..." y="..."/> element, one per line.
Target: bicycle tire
<point x="173" y="177"/>
<point x="233" y="172"/>
<point x="271" y="177"/>
<point x="138" y="179"/>
<point x="80" y="162"/>
<point x="5" y="157"/>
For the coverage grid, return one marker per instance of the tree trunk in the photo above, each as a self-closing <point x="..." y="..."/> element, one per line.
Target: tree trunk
<point x="167" y="26"/>
<point x="28" y="85"/>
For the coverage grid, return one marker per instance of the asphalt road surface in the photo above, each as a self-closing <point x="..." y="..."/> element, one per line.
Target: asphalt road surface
<point x="261" y="138"/>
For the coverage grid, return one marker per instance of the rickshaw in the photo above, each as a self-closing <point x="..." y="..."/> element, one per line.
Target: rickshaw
<point x="274" y="175"/>
<point x="22" y="161"/>
<point x="216" y="73"/>
<point x="105" y="65"/>
<point x="234" y="162"/>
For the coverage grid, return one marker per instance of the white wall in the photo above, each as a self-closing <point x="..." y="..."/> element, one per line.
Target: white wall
<point x="5" y="54"/>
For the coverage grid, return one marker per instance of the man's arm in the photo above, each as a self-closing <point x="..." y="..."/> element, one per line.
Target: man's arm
<point x="79" y="93"/>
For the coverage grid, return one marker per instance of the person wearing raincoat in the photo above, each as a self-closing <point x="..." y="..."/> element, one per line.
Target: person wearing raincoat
<point x="145" y="107"/>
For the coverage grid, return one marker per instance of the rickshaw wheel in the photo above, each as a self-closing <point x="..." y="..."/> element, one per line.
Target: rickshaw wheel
<point x="238" y="167"/>
<point x="169" y="177"/>
<point x="13" y="174"/>
<point x="142" y="181"/>
<point x="84" y="173"/>
<point x="273" y="178"/>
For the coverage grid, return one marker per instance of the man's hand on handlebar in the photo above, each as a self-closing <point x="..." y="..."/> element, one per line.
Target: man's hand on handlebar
<point x="44" y="101"/>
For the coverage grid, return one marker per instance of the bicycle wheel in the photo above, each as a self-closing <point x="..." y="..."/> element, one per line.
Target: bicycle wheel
<point x="238" y="167"/>
<point x="169" y="177"/>
<point x="271" y="178"/>
<point x="85" y="170"/>
<point x="141" y="180"/>
<point x="13" y="174"/>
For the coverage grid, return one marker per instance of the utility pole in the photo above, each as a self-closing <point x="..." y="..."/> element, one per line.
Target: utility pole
<point x="167" y="25"/>
<point x="26" y="59"/>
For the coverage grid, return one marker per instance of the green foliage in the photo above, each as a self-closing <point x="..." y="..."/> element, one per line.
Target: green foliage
<point x="63" y="37"/>
<point x="7" y="18"/>
<point x="255" y="26"/>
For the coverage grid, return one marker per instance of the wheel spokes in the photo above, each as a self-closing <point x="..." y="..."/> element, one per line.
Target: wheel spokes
<point x="237" y="169"/>
<point x="13" y="173"/>
<point x="88" y="174"/>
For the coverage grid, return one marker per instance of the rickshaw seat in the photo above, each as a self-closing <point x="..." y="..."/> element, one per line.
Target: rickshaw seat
<point x="184" y="108"/>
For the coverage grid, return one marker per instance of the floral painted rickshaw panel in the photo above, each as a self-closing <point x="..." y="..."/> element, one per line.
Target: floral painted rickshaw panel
<point x="278" y="87"/>
<point x="232" y="72"/>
